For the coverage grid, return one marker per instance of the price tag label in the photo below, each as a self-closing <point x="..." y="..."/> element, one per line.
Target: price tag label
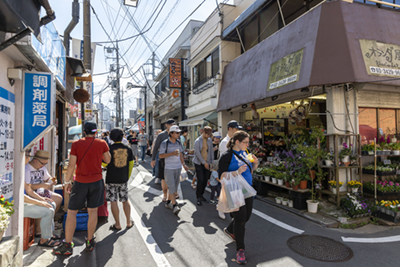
<point x="386" y="162"/>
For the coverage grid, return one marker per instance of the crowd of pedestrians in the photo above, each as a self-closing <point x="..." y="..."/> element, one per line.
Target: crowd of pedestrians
<point x="118" y="154"/>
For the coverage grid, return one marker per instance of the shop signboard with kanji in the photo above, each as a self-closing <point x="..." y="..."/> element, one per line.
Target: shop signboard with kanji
<point x="286" y="70"/>
<point x="7" y="127"/>
<point x="175" y="73"/>
<point x="38" y="107"/>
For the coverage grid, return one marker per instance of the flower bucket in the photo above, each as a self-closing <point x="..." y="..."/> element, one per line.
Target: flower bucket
<point x="284" y="202"/>
<point x="273" y="180"/>
<point x="371" y="153"/>
<point x="312" y="206"/>
<point x="280" y="181"/>
<point x="303" y="185"/>
<point x="328" y="162"/>
<point x="333" y="190"/>
<point x="290" y="203"/>
<point x="346" y="160"/>
<point x="267" y="178"/>
<point x="354" y="190"/>
<point x="278" y="200"/>
<point x="396" y="152"/>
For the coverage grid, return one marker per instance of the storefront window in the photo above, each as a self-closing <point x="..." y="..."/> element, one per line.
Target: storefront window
<point x="387" y="122"/>
<point x="368" y="125"/>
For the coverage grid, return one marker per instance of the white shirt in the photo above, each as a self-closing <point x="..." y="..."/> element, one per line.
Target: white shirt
<point x="34" y="176"/>
<point x="125" y="141"/>
<point x="222" y="145"/>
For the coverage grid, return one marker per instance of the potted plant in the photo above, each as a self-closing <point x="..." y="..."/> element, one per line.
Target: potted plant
<point x="353" y="160"/>
<point x="395" y="148"/>
<point x="345" y="153"/>
<point x="333" y="185"/>
<point x="279" y="177"/>
<point x="354" y="185"/>
<point x="328" y="158"/>
<point x="278" y="200"/>
<point x="285" y="201"/>
<point x="290" y="203"/>
<point x="266" y="173"/>
<point x="6" y="211"/>
<point x="367" y="149"/>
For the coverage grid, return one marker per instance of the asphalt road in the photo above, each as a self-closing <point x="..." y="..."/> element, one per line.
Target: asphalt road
<point x="195" y="238"/>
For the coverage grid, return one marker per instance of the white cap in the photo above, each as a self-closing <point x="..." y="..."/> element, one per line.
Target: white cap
<point x="174" y="128"/>
<point x="217" y="134"/>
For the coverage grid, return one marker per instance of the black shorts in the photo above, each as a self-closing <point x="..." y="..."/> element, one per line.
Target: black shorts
<point x="92" y="193"/>
<point x="161" y="167"/>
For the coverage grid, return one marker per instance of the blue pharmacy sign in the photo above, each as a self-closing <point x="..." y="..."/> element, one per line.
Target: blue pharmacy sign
<point x="38" y="105"/>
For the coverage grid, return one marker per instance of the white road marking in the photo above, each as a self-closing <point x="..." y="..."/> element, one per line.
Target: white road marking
<point x="148" y="239"/>
<point x="395" y="238"/>
<point x="270" y="219"/>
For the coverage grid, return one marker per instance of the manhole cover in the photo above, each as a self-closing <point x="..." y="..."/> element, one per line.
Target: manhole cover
<point x="320" y="248"/>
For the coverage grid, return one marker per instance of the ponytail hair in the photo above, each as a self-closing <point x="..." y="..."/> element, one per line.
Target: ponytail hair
<point x="238" y="136"/>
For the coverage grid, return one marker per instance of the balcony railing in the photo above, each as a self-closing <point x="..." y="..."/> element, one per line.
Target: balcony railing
<point x="203" y="85"/>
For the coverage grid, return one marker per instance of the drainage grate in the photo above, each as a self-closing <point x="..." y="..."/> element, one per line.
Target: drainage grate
<point x="320" y="248"/>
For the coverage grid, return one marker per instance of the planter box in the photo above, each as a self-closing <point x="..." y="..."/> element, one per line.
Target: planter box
<point x="382" y="194"/>
<point x="367" y="171"/>
<point x="390" y="218"/>
<point x="356" y="215"/>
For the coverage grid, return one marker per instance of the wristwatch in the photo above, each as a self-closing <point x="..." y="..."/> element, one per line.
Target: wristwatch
<point x="69" y="182"/>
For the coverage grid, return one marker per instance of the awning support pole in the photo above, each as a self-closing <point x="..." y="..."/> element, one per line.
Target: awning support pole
<point x="240" y="39"/>
<point x="280" y="11"/>
<point x="15" y="38"/>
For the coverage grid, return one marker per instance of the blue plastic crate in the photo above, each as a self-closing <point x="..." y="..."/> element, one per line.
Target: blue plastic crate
<point x="81" y="220"/>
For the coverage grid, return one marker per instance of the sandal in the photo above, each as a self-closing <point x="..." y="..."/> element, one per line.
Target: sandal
<point x="54" y="237"/>
<point x="49" y="243"/>
<point x="112" y="227"/>
<point x="164" y="199"/>
<point x="177" y="196"/>
<point x="132" y="224"/>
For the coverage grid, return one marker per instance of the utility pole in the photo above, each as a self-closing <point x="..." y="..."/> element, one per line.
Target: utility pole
<point x="153" y="64"/>
<point x="118" y="90"/>
<point x="87" y="50"/>
<point x="183" y="116"/>
<point x="122" y="97"/>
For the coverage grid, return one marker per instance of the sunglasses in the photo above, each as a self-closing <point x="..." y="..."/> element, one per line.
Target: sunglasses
<point x="41" y="162"/>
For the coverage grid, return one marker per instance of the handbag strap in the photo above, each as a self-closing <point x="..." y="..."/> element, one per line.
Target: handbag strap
<point x="240" y="157"/>
<point x="86" y="151"/>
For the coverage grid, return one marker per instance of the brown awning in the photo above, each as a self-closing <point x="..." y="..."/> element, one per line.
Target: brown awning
<point x="328" y="38"/>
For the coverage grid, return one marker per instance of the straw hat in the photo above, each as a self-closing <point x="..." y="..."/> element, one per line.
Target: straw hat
<point x="42" y="154"/>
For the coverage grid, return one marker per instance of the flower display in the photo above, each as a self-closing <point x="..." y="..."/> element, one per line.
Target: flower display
<point x="346" y="150"/>
<point x="385" y="186"/>
<point x="354" y="205"/>
<point x="354" y="184"/>
<point x="332" y="183"/>
<point x="6" y="211"/>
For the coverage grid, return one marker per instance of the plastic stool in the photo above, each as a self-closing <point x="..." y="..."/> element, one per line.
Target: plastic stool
<point x="29" y="232"/>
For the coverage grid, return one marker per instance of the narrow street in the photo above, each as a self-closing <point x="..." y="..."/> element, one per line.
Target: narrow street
<point x="196" y="237"/>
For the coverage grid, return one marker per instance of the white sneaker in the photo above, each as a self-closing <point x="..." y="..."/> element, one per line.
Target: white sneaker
<point x="176" y="210"/>
<point x="157" y="181"/>
<point x="221" y="215"/>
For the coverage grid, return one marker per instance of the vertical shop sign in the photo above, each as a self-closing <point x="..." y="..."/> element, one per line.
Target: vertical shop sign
<point x="7" y="126"/>
<point x="38" y="105"/>
<point x="286" y="70"/>
<point x="175" y="72"/>
<point x="381" y="59"/>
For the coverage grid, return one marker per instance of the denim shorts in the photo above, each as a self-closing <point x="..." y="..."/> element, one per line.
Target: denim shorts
<point x="90" y="193"/>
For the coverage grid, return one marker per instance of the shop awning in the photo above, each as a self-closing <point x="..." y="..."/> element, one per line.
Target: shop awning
<point x="326" y="44"/>
<point x="198" y="120"/>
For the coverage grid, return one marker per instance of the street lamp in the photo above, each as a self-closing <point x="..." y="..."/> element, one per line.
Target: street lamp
<point x="133" y="3"/>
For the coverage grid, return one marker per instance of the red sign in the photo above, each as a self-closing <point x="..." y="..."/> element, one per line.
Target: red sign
<point x="175" y="73"/>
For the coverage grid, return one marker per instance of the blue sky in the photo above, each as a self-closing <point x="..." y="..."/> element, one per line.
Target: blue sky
<point x="115" y="20"/>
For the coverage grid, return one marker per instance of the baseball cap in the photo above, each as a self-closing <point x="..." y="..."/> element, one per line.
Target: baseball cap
<point x="174" y="128"/>
<point x="240" y="127"/>
<point x="217" y="135"/>
<point x="233" y="124"/>
<point x="170" y="121"/>
<point x="90" y="127"/>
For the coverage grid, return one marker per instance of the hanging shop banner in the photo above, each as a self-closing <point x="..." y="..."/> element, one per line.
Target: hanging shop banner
<point x="175" y="73"/>
<point x="7" y="126"/>
<point x="38" y="107"/>
<point x="286" y="70"/>
<point x="381" y="59"/>
<point x="52" y="50"/>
